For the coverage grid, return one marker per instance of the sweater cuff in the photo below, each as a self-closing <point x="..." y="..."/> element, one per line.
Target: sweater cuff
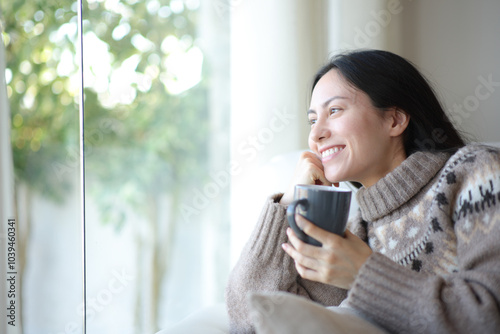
<point x="276" y="198"/>
<point x="270" y="232"/>
<point x="384" y="290"/>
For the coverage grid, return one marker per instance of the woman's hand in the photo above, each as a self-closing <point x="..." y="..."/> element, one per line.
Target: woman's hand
<point x="336" y="263"/>
<point x="309" y="170"/>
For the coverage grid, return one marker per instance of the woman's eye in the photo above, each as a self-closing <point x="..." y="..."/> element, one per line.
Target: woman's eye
<point x="334" y="110"/>
<point x="312" y="121"/>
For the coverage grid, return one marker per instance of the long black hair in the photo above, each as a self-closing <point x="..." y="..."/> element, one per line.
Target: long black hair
<point x="391" y="81"/>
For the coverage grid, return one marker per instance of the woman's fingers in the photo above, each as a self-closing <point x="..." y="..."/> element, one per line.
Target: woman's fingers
<point x="302" y="247"/>
<point x="307" y="256"/>
<point x="336" y="262"/>
<point x="300" y="258"/>
<point x="315" y="168"/>
<point x="309" y="170"/>
<point x="323" y="236"/>
<point x="305" y="265"/>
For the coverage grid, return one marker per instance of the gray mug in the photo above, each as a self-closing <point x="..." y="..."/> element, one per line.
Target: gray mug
<point x="324" y="206"/>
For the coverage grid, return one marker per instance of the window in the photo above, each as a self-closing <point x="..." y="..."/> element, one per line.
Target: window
<point x="156" y="137"/>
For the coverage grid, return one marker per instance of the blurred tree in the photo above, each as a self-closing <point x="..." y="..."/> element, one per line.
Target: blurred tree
<point x="43" y="112"/>
<point x="146" y="121"/>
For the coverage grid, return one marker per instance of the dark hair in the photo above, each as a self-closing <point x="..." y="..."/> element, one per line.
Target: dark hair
<point x="391" y="81"/>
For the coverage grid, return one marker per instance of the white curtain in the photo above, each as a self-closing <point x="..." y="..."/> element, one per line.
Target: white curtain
<point x="276" y="46"/>
<point x="6" y="205"/>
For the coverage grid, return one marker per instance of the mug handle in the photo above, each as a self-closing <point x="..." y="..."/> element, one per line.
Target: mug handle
<point x="290" y="215"/>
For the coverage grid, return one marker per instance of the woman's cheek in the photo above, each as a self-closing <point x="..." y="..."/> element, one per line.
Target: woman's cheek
<point x="312" y="145"/>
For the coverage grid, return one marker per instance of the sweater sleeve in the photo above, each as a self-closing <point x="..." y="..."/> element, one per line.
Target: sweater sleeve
<point x="264" y="266"/>
<point x="467" y="299"/>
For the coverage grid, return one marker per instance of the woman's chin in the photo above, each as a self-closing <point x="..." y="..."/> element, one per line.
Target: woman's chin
<point x="334" y="178"/>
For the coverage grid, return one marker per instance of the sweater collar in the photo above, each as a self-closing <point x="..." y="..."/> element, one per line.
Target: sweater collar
<point x="400" y="185"/>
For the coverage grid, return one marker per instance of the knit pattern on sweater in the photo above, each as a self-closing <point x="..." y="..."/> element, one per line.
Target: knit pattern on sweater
<point x="454" y="195"/>
<point x="446" y="233"/>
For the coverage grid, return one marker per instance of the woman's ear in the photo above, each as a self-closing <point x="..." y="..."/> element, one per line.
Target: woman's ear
<point x="399" y="121"/>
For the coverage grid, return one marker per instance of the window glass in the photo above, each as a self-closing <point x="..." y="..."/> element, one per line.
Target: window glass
<point x="156" y="155"/>
<point x="42" y="91"/>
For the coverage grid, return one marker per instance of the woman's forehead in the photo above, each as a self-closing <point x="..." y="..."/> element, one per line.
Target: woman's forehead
<point x="332" y="85"/>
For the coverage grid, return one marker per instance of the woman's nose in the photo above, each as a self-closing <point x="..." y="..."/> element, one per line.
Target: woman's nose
<point x="319" y="131"/>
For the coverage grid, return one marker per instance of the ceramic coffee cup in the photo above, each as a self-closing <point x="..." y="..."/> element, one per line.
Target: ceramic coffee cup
<point x="324" y="206"/>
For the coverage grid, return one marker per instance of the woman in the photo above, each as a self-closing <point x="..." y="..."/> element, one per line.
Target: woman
<point x="424" y="247"/>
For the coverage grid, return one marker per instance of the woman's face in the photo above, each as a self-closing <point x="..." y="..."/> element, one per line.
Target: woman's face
<point x="353" y="139"/>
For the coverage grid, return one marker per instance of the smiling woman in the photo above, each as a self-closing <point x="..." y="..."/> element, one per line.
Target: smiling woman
<point x="428" y="219"/>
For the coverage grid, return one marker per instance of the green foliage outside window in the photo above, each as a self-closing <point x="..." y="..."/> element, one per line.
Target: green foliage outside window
<point x="154" y="142"/>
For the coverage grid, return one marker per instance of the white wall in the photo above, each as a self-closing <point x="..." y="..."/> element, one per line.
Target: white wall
<point x="455" y="43"/>
<point x="361" y="24"/>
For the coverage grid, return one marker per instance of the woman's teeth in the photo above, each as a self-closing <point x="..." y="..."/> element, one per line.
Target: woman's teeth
<point x="331" y="151"/>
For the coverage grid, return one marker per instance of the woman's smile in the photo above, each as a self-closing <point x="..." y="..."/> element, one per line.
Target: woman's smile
<point x="329" y="153"/>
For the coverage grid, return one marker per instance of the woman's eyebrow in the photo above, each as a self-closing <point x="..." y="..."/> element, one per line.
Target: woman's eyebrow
<point x="311" y="111"/>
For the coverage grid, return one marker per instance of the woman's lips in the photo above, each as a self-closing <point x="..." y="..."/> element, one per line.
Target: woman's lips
<point x="331" y="152"/>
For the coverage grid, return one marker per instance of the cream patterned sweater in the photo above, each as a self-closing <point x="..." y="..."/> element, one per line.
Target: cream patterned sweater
<point x="434" y="226"/>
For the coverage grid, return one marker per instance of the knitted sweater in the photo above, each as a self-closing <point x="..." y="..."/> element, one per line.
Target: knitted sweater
<point x="433" y="224"/>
